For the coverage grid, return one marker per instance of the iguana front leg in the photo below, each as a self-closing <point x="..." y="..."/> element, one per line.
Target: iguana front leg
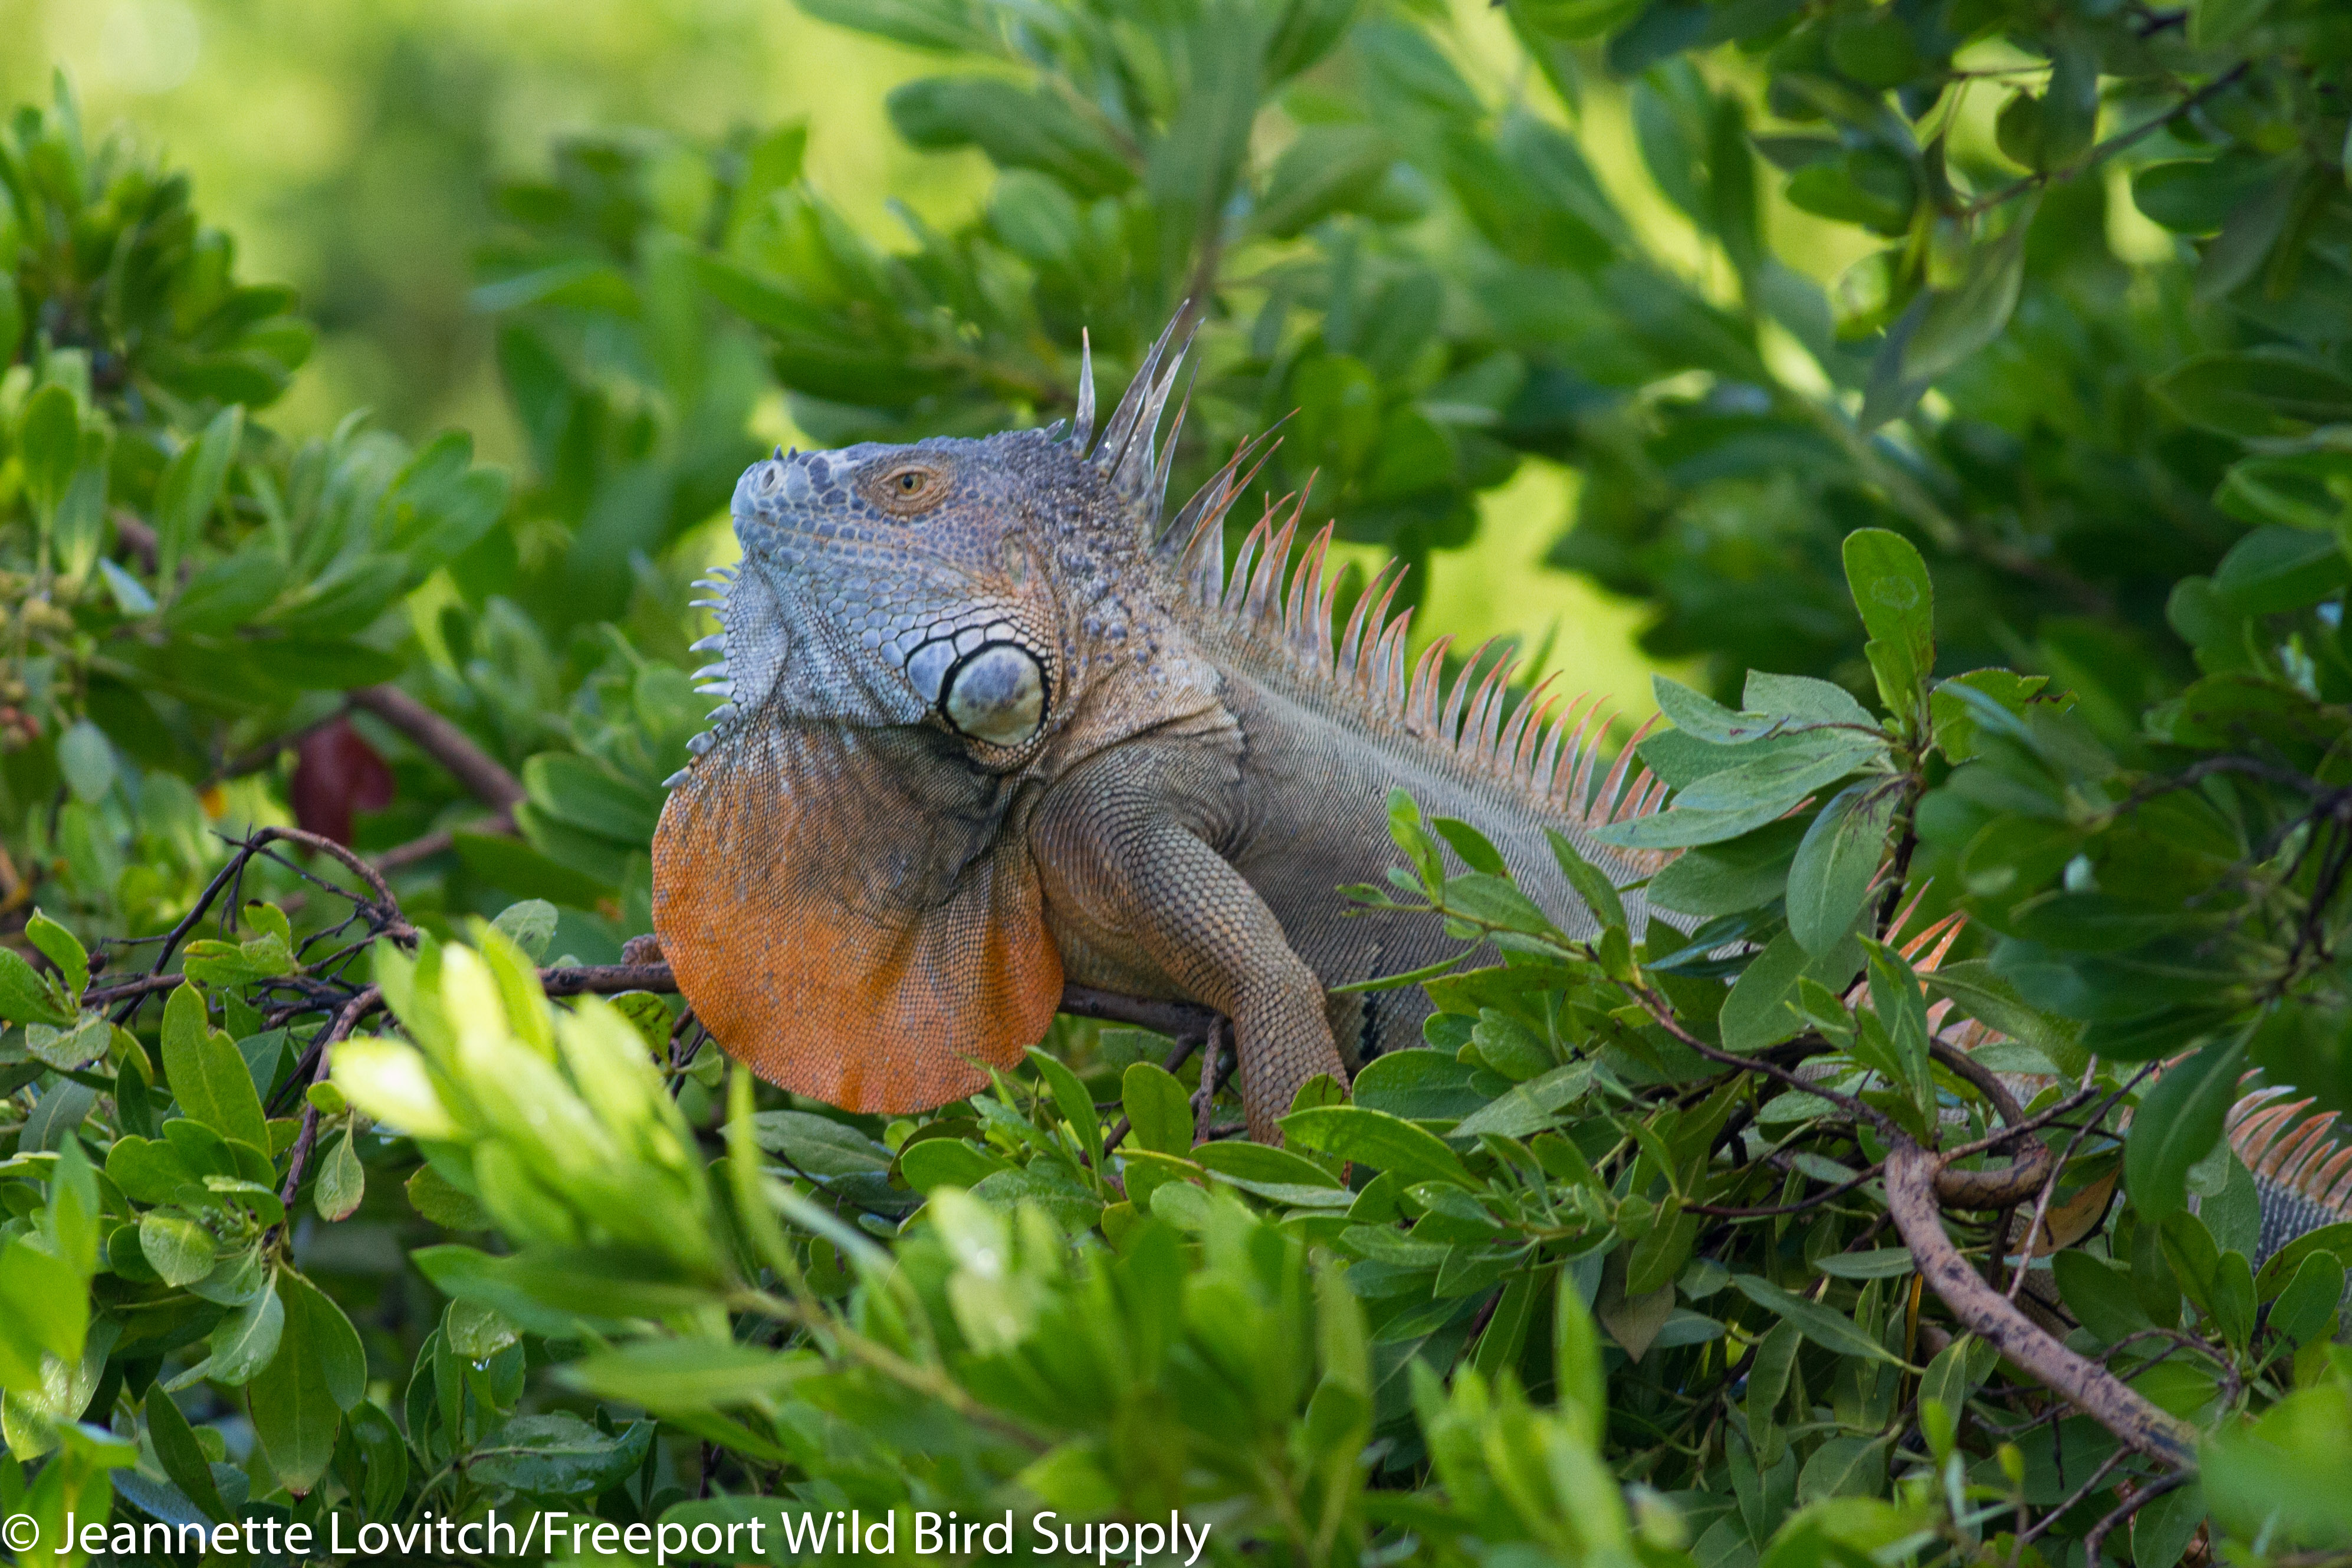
<point x="1127" y="876"/>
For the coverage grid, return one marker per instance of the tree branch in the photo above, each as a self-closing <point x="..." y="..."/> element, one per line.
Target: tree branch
<point x="1911" y="1198"/>
<point x="483" y="775"/>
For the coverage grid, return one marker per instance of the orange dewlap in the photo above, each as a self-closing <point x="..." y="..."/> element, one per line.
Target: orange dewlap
<point x="826" y="944"/>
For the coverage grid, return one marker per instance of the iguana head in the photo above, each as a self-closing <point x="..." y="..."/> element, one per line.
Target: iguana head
<point x="915" y="638"/>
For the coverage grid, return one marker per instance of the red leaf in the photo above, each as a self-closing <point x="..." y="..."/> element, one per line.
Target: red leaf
<point x="336" y="773"/>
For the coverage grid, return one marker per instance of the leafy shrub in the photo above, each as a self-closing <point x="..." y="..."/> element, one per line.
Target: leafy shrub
<point x="1599" y="1274"/>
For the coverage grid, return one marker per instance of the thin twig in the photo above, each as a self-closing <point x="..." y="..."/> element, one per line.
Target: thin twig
<point x="2049" y="1189"/>
<point x="2141" y="1497"/>
<point x="2080" y="1492"/>
<point x="2110" y="147"/>
<point x="1662" y="1014"/>
<point x="307" y="1138"/>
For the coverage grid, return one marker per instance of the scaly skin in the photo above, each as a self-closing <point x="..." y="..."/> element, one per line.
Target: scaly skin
<point x="895" y="847"/>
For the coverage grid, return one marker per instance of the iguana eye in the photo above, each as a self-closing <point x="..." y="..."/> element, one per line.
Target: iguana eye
<point x="908" y="488"/>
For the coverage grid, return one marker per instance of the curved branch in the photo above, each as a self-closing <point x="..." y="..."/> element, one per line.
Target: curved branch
<point x="1912" y="1199"/>
<point x="443" y="741"/>
<point x="2016" y="1182"/>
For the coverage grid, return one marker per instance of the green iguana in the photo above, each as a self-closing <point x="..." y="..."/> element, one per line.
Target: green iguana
<point x="993" y="724"/>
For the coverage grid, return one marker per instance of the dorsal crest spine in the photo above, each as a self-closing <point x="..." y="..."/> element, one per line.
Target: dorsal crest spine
<point x="1285" y="611"/>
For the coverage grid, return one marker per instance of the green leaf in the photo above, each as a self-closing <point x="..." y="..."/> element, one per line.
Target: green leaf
<point x="384" y="1459"/>
<point x="680" y="1375"/>
<point x="947" y="1162"/>
<point x="1018" y="129"/>
<point x="947" y="26"/>
<point x="1158" y="1113"/>
<point x="2161" y="1531"/>
<point x="2215" y="22"/>
<point x="1070" y="1096"/>
<point x="190" y="488"/>
<point x="183" y="1458"/>
<point x="1589" y="882"/>
<point x="1804" y="700"/>
<point x="2309" y="1302"/>
<point x="1478" y="851"/>
<point x="2257" y="393"/>
<point x="1872" y="1263"/>
<point x="1896" y="599"/>
<point x="227" y="594"/>
<point x="1756" y="1013"/>
<point x="65" y="1050"/>
<point x="1830" y="879"/>
<point x="817" y="1145"/>
<point x="207" y="1073"/>
<point x="49" y="445"/>
<point x="1418" y="1084"/>
<point x="1707" y="718"/>
<point x="2099" y="1295"/>
<point x="577" y="792"/>
<point x="1958" y="1370"/>
<point x="1778" y="781"/>
<point x="342" y="1181"/>
<point x="63" y="948"/>
<point x="1264" y="1165"/>
<point x="2178" y="1123"/>
<point x="149" y="1171"/>
<point x="1327" y="169"/>
<point x="1961" y="321"/>
<point x="1828" y="1328"/>
<point x="1575" y="1361"/>
<point x="433" y="1195"/>
<point x="179" y="1250"/>
<point x="558" y="1455"/>
<point x="24" y="998"/>
<point x="1845" y="1467"/>
<point x="530" y="926"/>
<point x="1577" y="20"/>
<point x="242" y="1344"/>
<point x="318" y="1373"/>
<point x="1528" y="1107"/>
<point x="1377" y="1139"/>
<point x="44" y="1306"/>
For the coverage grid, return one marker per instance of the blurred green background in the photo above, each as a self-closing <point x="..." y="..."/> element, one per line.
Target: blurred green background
<point x="352" y="148"/>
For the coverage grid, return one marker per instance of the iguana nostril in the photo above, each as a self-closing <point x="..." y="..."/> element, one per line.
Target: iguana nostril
<point x="997" y="694"/>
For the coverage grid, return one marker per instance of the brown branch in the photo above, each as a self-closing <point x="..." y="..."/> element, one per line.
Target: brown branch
<point x="307" y="1138"/>
<point x="2141" y="1497"/>
<point x="1177" y="1021"/>
<point x="443" y="741"/>
<point x="2016" y="1182"/>
<point x="607" y="979"/>
<point x="1911" y="1198"/>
